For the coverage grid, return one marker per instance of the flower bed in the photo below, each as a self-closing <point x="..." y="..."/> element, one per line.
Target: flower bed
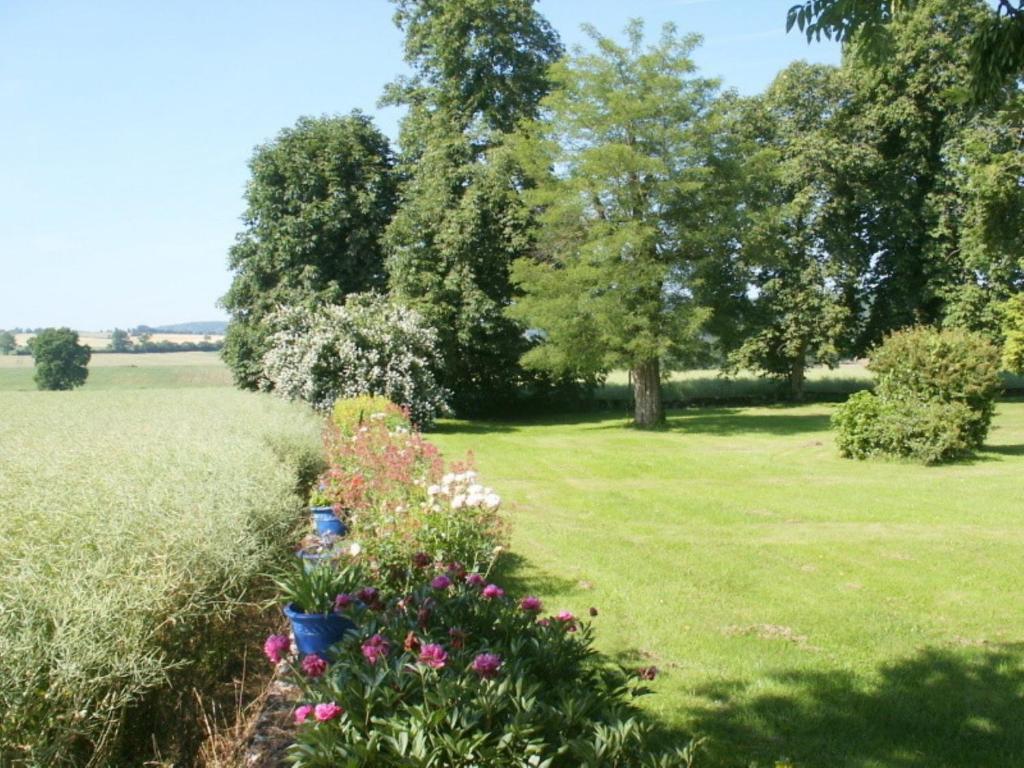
<point x="443" y="667"/>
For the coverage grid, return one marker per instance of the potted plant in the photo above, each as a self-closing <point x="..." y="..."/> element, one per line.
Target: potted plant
<point x="310" y="605"/>
<point x="315" y="549"/>
<point x="325" y="519"/>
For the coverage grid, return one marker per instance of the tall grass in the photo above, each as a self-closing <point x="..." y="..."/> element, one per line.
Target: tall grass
<point x="135" y="525"/>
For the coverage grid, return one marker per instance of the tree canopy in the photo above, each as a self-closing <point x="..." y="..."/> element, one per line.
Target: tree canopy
<point x="61" y="362"/>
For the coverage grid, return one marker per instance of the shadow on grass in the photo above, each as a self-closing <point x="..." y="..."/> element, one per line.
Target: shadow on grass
<point x="942" y="708"/>
<point x="1004" y="450"/>
<point x="731" y="421"/>
<point x="514" y="573"/>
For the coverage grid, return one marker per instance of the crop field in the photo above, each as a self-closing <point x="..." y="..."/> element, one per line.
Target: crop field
<point x="136" y="525"/>
<point x="132" y="371"/>
<point x="838" y="613"/>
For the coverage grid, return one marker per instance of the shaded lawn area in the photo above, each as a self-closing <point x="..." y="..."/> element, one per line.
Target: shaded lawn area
<point x="834" y="612"/>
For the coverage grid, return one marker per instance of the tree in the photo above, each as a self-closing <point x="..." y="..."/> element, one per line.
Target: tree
<point x="120" y="340"/>
<point x="480" y="67"/>
<point x="997" y="45"/>
<point x="61" y="362"/>
<point x="614" y="159"/>
<point x="791" y="240"/>
<point x="7" y="343"/>
<point x="318" y="200"/>
<point x="1013" y="333"/>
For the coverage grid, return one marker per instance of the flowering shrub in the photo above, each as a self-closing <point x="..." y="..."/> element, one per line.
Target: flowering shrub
<point x="368" y="346"/>
<point x="458" y="673"/>
<point x="351" y="413"/>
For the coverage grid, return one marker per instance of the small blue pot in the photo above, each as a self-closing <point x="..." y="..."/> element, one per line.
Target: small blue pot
<point x="327" y="522"/>
<point x="317" y="632"/>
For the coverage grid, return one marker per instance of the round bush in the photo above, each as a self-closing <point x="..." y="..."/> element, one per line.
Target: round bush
<point x="368" y="346"/>
<point x="946" y="366"/>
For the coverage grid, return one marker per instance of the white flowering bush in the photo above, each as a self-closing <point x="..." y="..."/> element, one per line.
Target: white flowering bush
<point x="460" y="490"/>
<point x="368" y="346"/>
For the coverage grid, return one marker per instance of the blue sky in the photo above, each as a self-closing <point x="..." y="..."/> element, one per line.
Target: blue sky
<point x="125" y="128"/>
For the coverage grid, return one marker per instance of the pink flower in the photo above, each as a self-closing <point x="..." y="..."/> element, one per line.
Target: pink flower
<point x="487" y="665"/>
<point x="433" y="655"/>
<point x="313" y="665"/>
<point x="325" y="712"/>
<point x="343" y="601"/>
<point x="475" y="580"/>
<point x="302" y="713"/>
<point x="441" y="582"/>
<point x="531" y="604"/>
<point x="277" y="647"/>
<point x="376" y="648"/>
<point x="493" y="591"/>
<point x="567" y="619"/>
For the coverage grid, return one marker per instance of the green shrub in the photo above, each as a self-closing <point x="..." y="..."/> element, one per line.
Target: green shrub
<point x="1013" y="334"/>
<point x="136" y="526"/>
<point x="946" y="366"/>
<point x="933" y="400"/>
<point x="350" y="413"/>
<point x="927" y="431"/>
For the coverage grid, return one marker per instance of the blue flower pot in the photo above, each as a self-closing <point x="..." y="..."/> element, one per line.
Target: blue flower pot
<point x="327" y="522"/>
<point x="317" y="632"/>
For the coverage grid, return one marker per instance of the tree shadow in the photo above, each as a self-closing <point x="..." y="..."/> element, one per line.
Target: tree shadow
<point x="515" y="573"/>
<point x="942" y="708"/>
<point x="780" y="420"/>
<point x="1004" y="450"/>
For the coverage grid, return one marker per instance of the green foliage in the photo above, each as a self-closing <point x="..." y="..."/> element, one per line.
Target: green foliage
<point x="928" y="431"/>
<point x="616" y="152"/>
<point x="792" y="234"/>
<point x="312" y="590"/>
<point x="933" y="402"/>
<point x="120" y="340"/>
<point x="509" y="690"/>
<point x="350" y="413"/>
<point x="1013" y="333"/>
<point x="480" y="67"/>
<point x="132" y="546"/>
<point x="7" y="343"/>
<point x="61" y="362"/>
<point x="948" y="366"/>
<point x="318" y="199"/>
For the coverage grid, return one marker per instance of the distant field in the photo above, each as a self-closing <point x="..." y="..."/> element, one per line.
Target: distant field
<point x="168" y="370"/>
<point x="98" y="340"/>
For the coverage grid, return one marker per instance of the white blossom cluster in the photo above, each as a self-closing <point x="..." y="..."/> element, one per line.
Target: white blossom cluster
<point x="460" y="490"/>
<point x="368" y="346"/>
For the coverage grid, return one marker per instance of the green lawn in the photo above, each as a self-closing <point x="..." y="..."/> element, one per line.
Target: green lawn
<point x="834" y="612"/>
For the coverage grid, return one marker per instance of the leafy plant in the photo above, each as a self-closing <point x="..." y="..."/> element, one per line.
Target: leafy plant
<point x="350" y="413"/>
<point x="313" y="590"/>
<point x="61" y="362"/>
<point x="457" y="674"/>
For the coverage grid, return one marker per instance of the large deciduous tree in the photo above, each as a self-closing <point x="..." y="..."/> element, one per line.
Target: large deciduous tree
<point x="793" y="240"/>
<point x="61" y="362"/>
<point x="319" y="198"/>
<point x="614" y="158"/>
<point x="479" y="67"/>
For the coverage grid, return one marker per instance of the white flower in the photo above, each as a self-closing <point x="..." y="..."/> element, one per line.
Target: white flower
<point x="492" y="500"/>
<point x="355" y="549"/>
<point x="476" y="488"/>
<point x="458" y="501"/>
<point x="433" y="490"/>
<point x="474" y="499"/>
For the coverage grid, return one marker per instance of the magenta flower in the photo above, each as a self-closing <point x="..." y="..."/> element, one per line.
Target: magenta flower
<point x="276" y="648"/>
<point x="376" y="648"/>
<point x="493" y="591"/>
<point x="441" y="582"/>
<point x="325" y="712"/>
<point x="343" y="601"/>
<point x="531" y="604"/>
<point x="565" y="616"/>
<point x="302" y="713"/>
<point x="313" y="665"/>
<point x="487" y="665"/>
<point x="475" y="580"/>
<point x="433" y="655"/>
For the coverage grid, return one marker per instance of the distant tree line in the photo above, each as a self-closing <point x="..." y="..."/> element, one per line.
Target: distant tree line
<point x="555" y="216"/>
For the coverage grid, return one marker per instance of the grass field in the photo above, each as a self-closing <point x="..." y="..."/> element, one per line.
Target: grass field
<point x="841" y="614"/>
<point x="167" y="370"/>
<point x="135" y="526"/>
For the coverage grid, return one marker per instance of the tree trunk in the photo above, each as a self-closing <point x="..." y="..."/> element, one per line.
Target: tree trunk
<point x="796" y="380"/>
<point x="648" y="411"/>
